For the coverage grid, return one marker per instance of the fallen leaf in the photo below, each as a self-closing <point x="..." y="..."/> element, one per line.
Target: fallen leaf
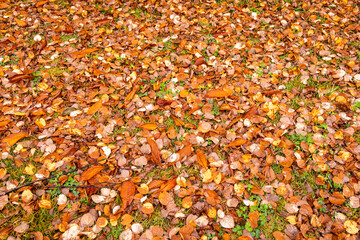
<point x="127" y="193"/>
<point x="155" y="153"/>
<point x="201" y="158"/>
<point x="149" y="126"/>
<point x="337" y="198"/>
<point x="13" y="138"/>
<point x="90" y="172"/>
<point x="94" y="108"/>
<point x="83" y="53"/>
<point x="351" y="226"/>
<point x="20" y="23"/>
<point x="237" y="142"/>
<point x="253" y="219"/>
<point x="216" y="93"/>
<point x="227" y="222"/>
<point x="147" y="208"/>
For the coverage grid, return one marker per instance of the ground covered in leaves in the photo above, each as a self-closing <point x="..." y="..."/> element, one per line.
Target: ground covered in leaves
<point x="179" y="119"/>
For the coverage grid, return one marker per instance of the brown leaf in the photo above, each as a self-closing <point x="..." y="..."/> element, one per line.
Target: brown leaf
<point x="149" y="126"/>
<point x="127" y="193"/>
<point x="83" y="53"/>
<point x="162" y="102"/>
<point x="201" y="158"/>
<point x="18" y="77"/>
<point x="237" y="142"/>
<point x="337" y="198"/>
<point x="94" y="108"/>
<point x="155" y="153"/>
<point x="13" y="138"/>
<point x="200" y="61"/>
<point x="216" y="93"/>
<point x="90" y="172"/>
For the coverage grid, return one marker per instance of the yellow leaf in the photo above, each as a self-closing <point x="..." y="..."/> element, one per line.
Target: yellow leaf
<point x="291" y="219"/>
<point x="13" y="138"/>
<point x="95" y="107"/>
<point x="45" y="204"/>
<point x="351" y="227"/>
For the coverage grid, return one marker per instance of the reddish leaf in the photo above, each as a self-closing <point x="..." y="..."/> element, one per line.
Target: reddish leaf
<point x="200" y="61"/>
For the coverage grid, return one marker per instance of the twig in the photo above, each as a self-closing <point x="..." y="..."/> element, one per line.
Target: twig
<point x="51" y="177"/>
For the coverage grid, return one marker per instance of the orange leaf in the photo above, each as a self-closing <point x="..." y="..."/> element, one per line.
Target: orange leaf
<point x="155" y="153"/>
<point x="185" y="151"/>
<point x="201" y="158"/>
<point x="21" y="23"/>
<point x="253" y="219"/>
<point x="147" y="208"/>
<point x="149" y="126"/>
<point x="95" y="107"/>
<point x="90" y="172"/>
<point x="177" y="121"/>
<point x="13" y="138"/>
<point x="127" y="193"/>
<point x="132" y="93"/>
<point x="165" y="198"/>
<point x="216" y="93"/>
<point x="236" y="142"/>
<point x="337" y="198"/>
<point x="97" y="72"/>
<point x="168" y="185"/>
<point x="83" y="53"/>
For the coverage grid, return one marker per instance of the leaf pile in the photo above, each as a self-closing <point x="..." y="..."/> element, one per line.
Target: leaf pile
<point x="179" y="119"/>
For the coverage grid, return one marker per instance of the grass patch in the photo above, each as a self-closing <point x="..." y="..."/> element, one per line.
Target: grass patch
<point x="39" y="220"/>
<point x="155" y="219"/>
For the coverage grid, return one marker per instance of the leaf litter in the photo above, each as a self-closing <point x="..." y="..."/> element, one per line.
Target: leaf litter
<point x="179" y="119"/>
